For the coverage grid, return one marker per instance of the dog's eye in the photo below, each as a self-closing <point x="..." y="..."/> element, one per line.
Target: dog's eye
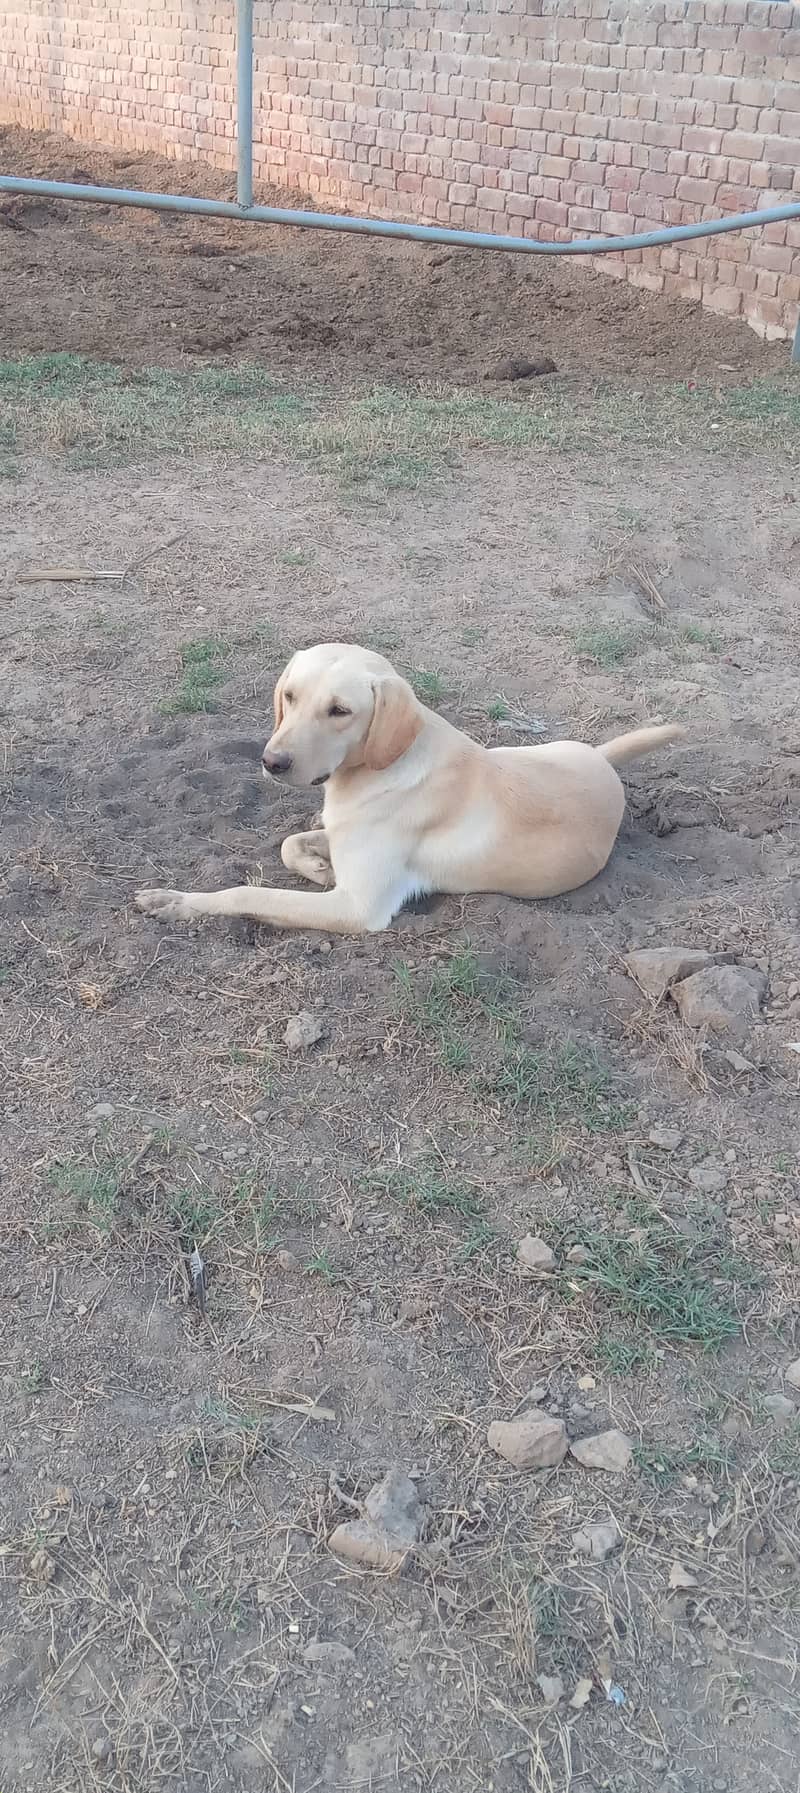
<point x="338" y="710"/>
<point x="288" y="697"/>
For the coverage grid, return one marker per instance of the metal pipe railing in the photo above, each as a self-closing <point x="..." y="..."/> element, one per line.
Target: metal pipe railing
<point x="385" y="227"/>
<point x="244" y="103"/>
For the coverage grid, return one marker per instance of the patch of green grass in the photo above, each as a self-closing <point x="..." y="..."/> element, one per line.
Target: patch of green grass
<point x="266" y="1209"/>
<point x="452" y="999"/>
<point x="429" y="686"/>
<point x="322" y="1265"/>
<point x="656" y="1282"/>
<point x="428" y="1189"/>
<point x="34" y="1377"/>
<point x="608" y="647"/>
<point x="478" y="1240"/>
<point x="200" y="675"/>
<point x="194" y="1210"/>
<point x="625" y="1357"/>
<point x="223" y="1414"/>
<point x="663" y="1463"/>
<point x="565" y="1083"/>
<point x="384" y="471"/>
<point x="296" y="557"/>
<point x="658" y="1462"/>
<point x="98" y="415"/>
<point x="86" y="1192"/>
<point x="697" y="635"/>
<point x="498" y="710"/>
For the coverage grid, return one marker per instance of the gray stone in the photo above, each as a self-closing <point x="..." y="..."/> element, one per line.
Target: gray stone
<point x="656" y="968"/>
<point x="303" y="1031"/>
<point x="534" y="1441"/>
<point x="578" y="1254"/>
<point x="605" y="1450"/>
<point x="390" y="1528"/>
<point x="534" y="1254"/>
<point x="710" y="1179"/>
<point x="327" y="1653"/>
<point x="781" y="1409"/>
<point x="667" y="1139"/>
<point x="725" y="998"/>
<point x="597" y="1541"/>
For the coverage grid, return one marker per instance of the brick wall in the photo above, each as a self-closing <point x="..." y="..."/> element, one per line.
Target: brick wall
<point x="545" y="117"/>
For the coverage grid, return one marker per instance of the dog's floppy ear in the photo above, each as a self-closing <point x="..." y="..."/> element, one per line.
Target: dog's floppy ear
<point x="277" y="695"/>
<point x="396" y="722"/>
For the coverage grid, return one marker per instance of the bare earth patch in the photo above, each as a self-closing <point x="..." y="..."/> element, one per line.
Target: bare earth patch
<point x="172" y="1613"/>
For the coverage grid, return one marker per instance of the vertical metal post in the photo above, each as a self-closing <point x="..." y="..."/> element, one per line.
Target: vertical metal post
<point x="244" y="101"/>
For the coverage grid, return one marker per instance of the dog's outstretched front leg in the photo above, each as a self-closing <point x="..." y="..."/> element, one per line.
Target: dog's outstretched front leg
<point x="334" y="911"/>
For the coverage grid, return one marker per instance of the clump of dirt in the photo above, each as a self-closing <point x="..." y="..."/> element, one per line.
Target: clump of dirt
<point x="158" y="288"/>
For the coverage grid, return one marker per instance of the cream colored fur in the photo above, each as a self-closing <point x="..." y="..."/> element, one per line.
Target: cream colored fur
<point x="412" y="805"/>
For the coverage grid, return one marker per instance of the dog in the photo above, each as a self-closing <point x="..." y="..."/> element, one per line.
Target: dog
<point x="414" y="806"/>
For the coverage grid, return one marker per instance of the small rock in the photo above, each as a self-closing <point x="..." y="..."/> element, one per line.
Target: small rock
<point x="605" y="1450"/>
<point x="102" y="1111"/>
<point x="42" y="1568"/>
<point x="578" y="1254"/>
<point x="536" y="1440"/>
<point x="724" y="998"/>
<point x="535" y="1254"/>
<point x="597" y="1541"/>
<point x="708" y="1178"/>
<point x="101" y="1749"/>
<point x="681" y="1579"/>
<point x="287" y="1261"/>
<point x="737" y="1061"/>
<point x="304" y="1030"/>
<point x="327" y="1653"/>
<point x="780" y="1408"/>
<point x="793" y="1374"/>
<point x="519" y="367"/>
<point x="667" y="1139"/>
<point x="415" y="1306"/>
<point x="552" y="1687"/>
<point x="656" y="968"/>
<point x="390" y="1528"/>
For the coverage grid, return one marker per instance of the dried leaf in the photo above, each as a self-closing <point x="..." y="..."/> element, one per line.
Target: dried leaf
<point x="681" y="1578"/>
<point x="582" y="1695"/>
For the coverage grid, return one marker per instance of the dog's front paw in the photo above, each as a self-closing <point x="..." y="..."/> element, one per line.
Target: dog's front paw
<point x="165" y="905"/>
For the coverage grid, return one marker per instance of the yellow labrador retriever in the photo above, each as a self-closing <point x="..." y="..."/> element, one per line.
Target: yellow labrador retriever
<point x="412" y="805"/>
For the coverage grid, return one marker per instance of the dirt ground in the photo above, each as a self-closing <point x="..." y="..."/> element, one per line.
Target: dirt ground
<point x="169" y="1481"/>
<point x="158" y="288"/>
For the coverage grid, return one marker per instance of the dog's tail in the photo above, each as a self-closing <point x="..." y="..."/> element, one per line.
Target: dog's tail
<point x="641" y="740"/>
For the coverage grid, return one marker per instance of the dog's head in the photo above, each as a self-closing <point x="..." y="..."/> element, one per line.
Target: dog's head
<point x="338" y="706"/>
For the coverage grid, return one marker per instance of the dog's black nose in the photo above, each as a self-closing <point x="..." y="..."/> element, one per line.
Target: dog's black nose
<point x="276" y="763"/>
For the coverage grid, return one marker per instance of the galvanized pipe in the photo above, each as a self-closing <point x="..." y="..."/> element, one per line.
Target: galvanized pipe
<point x="382" y="227"/>
<point x="244" y="103"/>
